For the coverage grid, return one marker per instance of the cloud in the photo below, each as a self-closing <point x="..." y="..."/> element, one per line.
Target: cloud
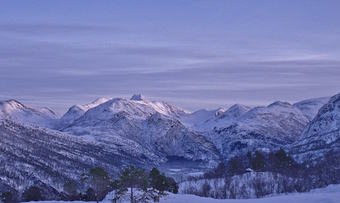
<point x="60" y="65"/>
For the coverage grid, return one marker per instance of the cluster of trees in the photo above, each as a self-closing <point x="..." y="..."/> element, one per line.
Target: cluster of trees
<point x="283" y="170"/>
<point x="32" y="193"/>
<point x="151" y="186"/>
<point x="9" y="197"/>
<point x="276" y="161"/>
<point x="143" y="186"/>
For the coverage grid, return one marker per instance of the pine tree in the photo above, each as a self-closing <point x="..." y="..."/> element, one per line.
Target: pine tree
<point x="33" y="193"/>
<point x="173" y="186"/>
<point x="258" y="162"/>
<point x="132" y="178"/>
<point x="100" y="182"/>
<point x="71" y="190"/>
<point x="158" y="181"/>
<point x="9" y="197"/>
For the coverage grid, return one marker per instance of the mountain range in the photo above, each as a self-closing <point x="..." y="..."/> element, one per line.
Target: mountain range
<point x="114" y="133"/>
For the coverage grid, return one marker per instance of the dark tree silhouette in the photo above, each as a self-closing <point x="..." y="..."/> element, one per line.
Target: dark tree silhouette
<point x="33" y="193"/>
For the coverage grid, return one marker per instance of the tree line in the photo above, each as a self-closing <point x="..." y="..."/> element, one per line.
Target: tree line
<point x="142" y="186"/>
<point x="289" y="174"/>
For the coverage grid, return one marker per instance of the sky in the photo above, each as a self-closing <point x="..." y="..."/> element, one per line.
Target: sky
<point x="191" y="53"/>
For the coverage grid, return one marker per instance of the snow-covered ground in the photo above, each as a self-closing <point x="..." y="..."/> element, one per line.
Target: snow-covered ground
<point x="330" y="194"/>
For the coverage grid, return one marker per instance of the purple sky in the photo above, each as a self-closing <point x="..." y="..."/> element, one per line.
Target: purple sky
<point x="195" y="54"/>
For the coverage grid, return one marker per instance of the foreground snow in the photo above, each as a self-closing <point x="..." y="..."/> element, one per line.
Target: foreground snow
<point x="331" y="194"/>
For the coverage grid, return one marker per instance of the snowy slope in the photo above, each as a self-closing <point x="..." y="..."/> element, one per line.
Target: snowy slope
<point x="322" y="134"/>
<point x="244" y="186"/>
<point x="20" y="113"/>
<point x="330" y="194"/>
<point x="310" y="107"/>
<point x="204" y="120"/>
<point x="268" y="127"/>
<point x="137" y="106"/>
<point x="153" y="125"/>
<point x="29" y="155"/>
<point x="77" y="111"/>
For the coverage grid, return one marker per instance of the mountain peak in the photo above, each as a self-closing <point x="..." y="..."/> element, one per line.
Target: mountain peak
<point x="220" y="111"/>
<point x="11" y="105"/>
<point x="138" y="97"/>
<point x="335" y="99"/>
<point x="95" y="103"/>
<point x="279" y="103"/>
<point x="238" y="107"/>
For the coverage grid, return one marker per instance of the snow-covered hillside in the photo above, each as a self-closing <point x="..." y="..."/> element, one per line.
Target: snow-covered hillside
<point x="153" y="125"/>
<point x="77" y="111"/>
<point x="117" y="132"/>
<point x="48" y="158"/>
<point x="322" y="134"/>
<point x="268" y="127"/>
<point x="205" y="121"/>
<point x="310" y="107"/>
<point x="16" y="111"/>
<point x="137" y="106"/>
<point x="330" y="194"/>
<point x="244" y="186"/>
<point x="160" y="130"/>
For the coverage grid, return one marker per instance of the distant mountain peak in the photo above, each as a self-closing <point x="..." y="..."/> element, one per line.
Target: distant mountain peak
<point x="238" y="107"/>
<point x="13" y="104"/>
<point x="95" y="103"/>
<point x="138" y="97"/>
<point x="310" y="107"/>
<point x="18" y="112"/>
<point x="279" y="103"/>
<point x="220" y="111"/>
<point x="10" y="106"/>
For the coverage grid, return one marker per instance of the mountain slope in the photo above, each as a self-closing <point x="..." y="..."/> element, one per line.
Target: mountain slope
<point x="49" y="158"/>
<point x="204" y="120"/>
<point x="269" y="127"/>
<point x="310" y="107"/>
<point x="153" y="125"/>
<point x="77" y="111"/>
<point x="322" y="134"/>
<point x="18" y="112"/>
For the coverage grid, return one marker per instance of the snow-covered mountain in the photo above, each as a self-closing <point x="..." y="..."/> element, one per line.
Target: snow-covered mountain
<point x="322" y="134"/>
<point x="50" y="158"/>
<point x="142" y="105"/>
<point x="268" y="127"/>
<point x="116" y="132"/>
<point x="159" y="129"/>
<point x="204" y="120"/>
<point x="310" y="107"/>
<point x="77" y="111"/>
<point x="153" y="125"/>
<point x="18" y="112"/>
